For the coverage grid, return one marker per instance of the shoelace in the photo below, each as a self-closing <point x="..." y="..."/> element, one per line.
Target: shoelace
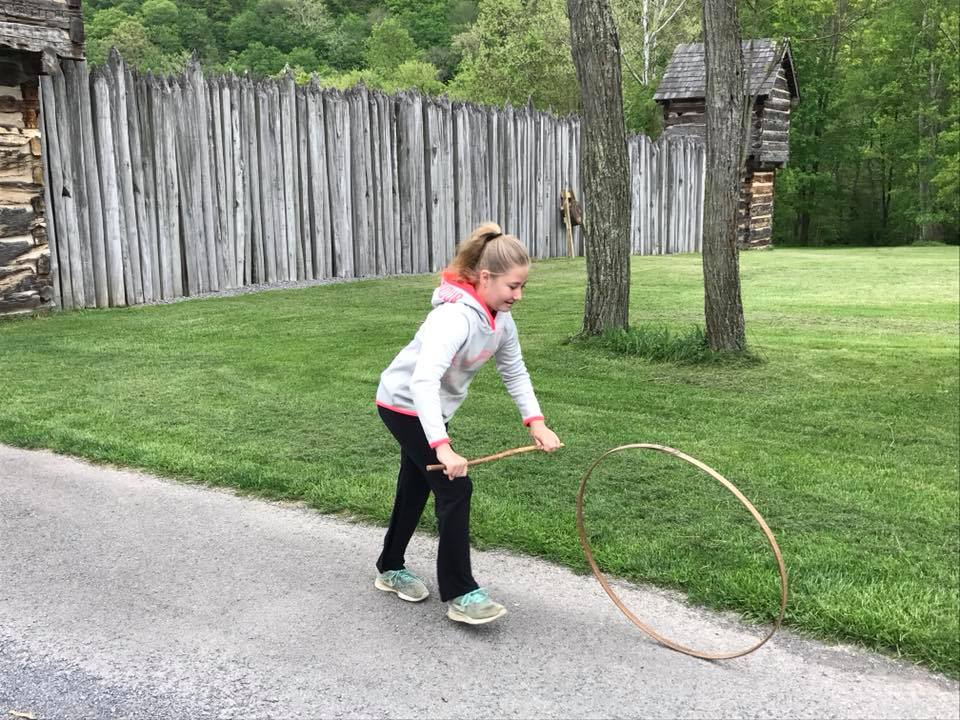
<point x="401" y="576"/>
<point x="474" y="596"/>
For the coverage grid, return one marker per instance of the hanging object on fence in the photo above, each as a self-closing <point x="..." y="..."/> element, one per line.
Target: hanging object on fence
<point x="588" y="553"/>
<point x="570" y="210"/>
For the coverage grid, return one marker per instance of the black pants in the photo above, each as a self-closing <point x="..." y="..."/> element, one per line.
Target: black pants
<point x="452" y="502"/>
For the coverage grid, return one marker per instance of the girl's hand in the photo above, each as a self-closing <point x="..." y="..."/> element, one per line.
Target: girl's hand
<point x="454" y="465"/>
<point x="545" y="438"/>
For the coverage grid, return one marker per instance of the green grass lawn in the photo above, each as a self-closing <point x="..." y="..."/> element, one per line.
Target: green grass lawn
<point x="845" y="438"/>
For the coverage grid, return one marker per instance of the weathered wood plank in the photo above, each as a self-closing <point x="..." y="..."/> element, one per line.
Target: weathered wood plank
<point x="360" y="181"/>
<point x="447" y="228"/>
<point x="189" y="198"/>
<point x="214" y="122"/>
<point x="203" y="118"/>
<point x="110" y="192"/>
<point x="64" y="189"/>
<point x="633" y="159"/>
<point x="479" y="166"/>
<point x="317" y="189"/>
<point x="72" y="116"/>
<point x="441" y="180"/>
<point x="531" y="149"/>
<point x="130" y="242"/>
<point x="337" y="127"/>
<point x="508" y="168"/>
<point x="164" y="229"/>
<point x="267" y="262"/>
<point x="391" y="174"/>
<point x="304" y="240"/>
<point x="172" y="100"/>
<point x="377" y="186"/>
<point x="232" y="208"/>
<point x="776" y="126"/>
<point x="145" y="249"/>
<point x="541" y="234"/>
<point x="48" y="120"/>
<point x="36" y="39"/>
<point x="432" y="181"/>
<point x="293" y="262"/>
<point x="250" y="198"/>
<point x="147" y="117"/>
<point x="462" y="168"/>
<point x="493" y="165"/>
<point x="413" y="211"/>
<point x="277" y="187"/>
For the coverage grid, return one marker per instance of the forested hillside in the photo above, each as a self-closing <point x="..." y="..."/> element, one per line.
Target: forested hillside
<point x="874" y="139"/>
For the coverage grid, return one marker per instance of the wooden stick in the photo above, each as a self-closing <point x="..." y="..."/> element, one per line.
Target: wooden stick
<point x="491" y="458"/>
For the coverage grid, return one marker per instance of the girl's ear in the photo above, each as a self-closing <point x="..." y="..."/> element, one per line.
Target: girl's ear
<point x="484" y="276"/>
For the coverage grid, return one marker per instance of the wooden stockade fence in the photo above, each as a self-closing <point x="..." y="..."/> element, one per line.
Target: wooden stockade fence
<point x="162" y="187"/>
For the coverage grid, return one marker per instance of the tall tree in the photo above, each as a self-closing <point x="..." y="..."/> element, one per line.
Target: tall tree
<point x="603" y="165"/>
<point x="725" y="92"/>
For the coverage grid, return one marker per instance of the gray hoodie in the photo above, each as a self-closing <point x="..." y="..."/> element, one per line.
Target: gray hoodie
<point x="430" y="376"/>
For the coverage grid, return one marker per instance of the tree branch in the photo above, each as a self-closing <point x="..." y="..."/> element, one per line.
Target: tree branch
<point x="952" y="41"/>
<point x="626" y="62"/>
<point x="682" y="3"/>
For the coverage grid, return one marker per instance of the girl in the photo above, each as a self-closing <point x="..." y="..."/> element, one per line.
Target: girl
<point x="419" y="393"/>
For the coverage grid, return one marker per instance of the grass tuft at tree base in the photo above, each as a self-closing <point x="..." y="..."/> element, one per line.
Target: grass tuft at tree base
<point x="661" y="343"/>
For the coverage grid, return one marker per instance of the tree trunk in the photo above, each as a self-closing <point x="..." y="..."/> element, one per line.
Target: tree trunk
<point x="603" y="165"/>
<point x="723" y="307"/>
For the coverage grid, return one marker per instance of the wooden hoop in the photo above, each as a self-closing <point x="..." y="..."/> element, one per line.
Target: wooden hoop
<point x="616" y="599"/>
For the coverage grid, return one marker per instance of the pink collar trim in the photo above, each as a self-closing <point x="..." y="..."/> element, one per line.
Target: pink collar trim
<point x="451" y="279"/>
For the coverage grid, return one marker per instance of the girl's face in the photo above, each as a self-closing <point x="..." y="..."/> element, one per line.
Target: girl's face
<point x="500" y="292"/>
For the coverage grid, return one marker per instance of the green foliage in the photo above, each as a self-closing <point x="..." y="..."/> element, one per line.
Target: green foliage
<point x="426" y="20"/>
<point x="102" y="24"/>
<point x="516" y="51"/>
<point x="413" y="75"/>
<point x="283" y="24"/>
<point x="133" y="42"/>
<point x="160" y="20"/>
<point x="869" y="142"/>
<point x="345" y="45"/>
<point x="340" y="8"/>
<point x="260" y="59"/>
<point x="388" y="46"/>
<point x="641" y="113"/>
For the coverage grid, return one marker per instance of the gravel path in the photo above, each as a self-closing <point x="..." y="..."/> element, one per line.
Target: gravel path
<point x="126" y="596"/>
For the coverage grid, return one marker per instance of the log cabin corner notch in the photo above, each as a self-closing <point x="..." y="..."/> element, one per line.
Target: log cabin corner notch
<point x="772" y="85"/>
<point x="28" y="29"/>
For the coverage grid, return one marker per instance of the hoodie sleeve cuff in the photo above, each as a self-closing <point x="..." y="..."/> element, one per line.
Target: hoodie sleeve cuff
<point x="437" y="443"/>
<point x="532" y="418"/>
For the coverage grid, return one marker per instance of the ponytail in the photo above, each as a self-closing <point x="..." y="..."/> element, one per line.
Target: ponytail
<point x="487" y="248"/>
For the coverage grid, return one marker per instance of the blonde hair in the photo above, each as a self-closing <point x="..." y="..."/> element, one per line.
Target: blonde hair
<point x="487" y="248"/>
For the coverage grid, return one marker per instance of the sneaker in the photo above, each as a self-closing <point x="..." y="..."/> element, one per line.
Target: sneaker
<point x="475" y="608"/>
<point x="404" y="583"/>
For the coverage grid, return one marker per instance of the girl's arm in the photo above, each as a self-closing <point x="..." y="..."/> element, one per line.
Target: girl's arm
<point x="441" y="337"/>
<point x="512" y="369"/>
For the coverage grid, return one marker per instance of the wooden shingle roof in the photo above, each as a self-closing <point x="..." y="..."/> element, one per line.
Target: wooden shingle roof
<point x="686" y="75"/>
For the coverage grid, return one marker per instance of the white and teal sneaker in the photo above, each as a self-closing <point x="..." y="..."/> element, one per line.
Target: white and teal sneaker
<point x="404" y="583"/>
<point x="475" y="608"/>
